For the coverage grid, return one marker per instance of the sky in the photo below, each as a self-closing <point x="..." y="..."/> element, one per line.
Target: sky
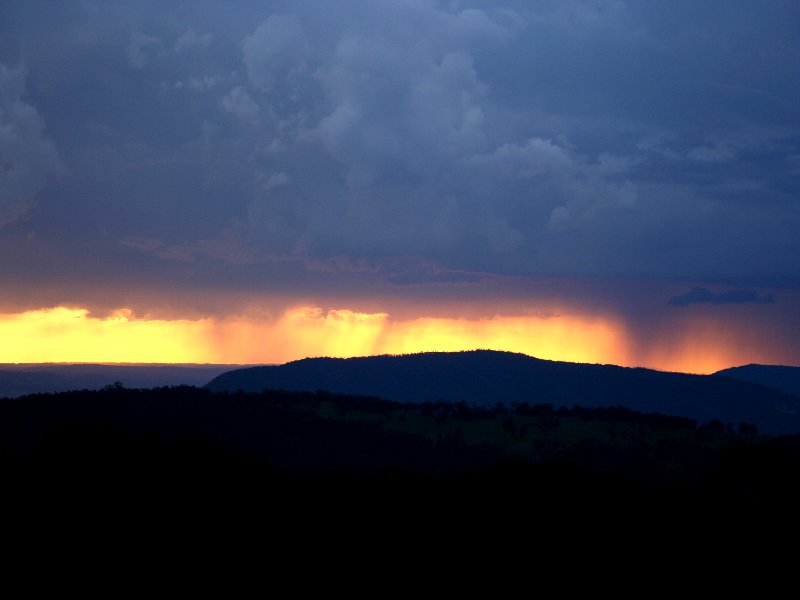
<point x="256" y="182"/>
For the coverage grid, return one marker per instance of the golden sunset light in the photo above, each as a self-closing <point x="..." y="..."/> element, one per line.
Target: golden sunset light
<point x="71" y="335"/>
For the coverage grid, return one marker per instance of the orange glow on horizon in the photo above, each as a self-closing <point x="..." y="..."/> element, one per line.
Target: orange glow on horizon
<point x="71" y="335"/>
<point x="342" y="333"/>
<point x="701" y="345"/>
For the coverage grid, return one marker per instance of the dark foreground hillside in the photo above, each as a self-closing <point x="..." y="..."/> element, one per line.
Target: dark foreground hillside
<point x="317" y="489"/>
<point x="486" y="377"/>
<point x="185" y="451"/>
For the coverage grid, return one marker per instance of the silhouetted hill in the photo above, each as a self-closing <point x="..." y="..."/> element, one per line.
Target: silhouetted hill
<point x="488" y="377"/>
<point x="785" y="379"/>
<point x="21" y="379"/>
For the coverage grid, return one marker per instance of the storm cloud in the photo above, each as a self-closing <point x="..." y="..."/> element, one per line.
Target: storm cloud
<point x="296" y="146"/>
<point x="27" y="156"/>
<point x="703" y="296"/>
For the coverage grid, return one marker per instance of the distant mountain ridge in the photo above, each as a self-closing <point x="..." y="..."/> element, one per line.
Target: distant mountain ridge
<point x="779" y="377"/>
<point x="45" y="378"/>
<point x="486" y="377"/>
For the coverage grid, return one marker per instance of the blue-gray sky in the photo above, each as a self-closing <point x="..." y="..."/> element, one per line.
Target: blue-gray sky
<point x="151" y="150"/>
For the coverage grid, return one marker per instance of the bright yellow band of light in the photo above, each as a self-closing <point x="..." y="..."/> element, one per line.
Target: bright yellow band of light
<point x="72" y="335"/>
<point x="342" y="333"/>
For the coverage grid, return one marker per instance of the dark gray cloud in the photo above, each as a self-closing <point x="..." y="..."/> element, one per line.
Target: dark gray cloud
<point x="27" y="156"/>
<point x="703" y="296"/>
<point x="204" y="145"/>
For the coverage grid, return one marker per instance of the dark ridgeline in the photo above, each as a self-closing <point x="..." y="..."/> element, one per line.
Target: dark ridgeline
<point x="486" y="377"/>
<point x="33" y="378"/>
<point x="779" y="377"/>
